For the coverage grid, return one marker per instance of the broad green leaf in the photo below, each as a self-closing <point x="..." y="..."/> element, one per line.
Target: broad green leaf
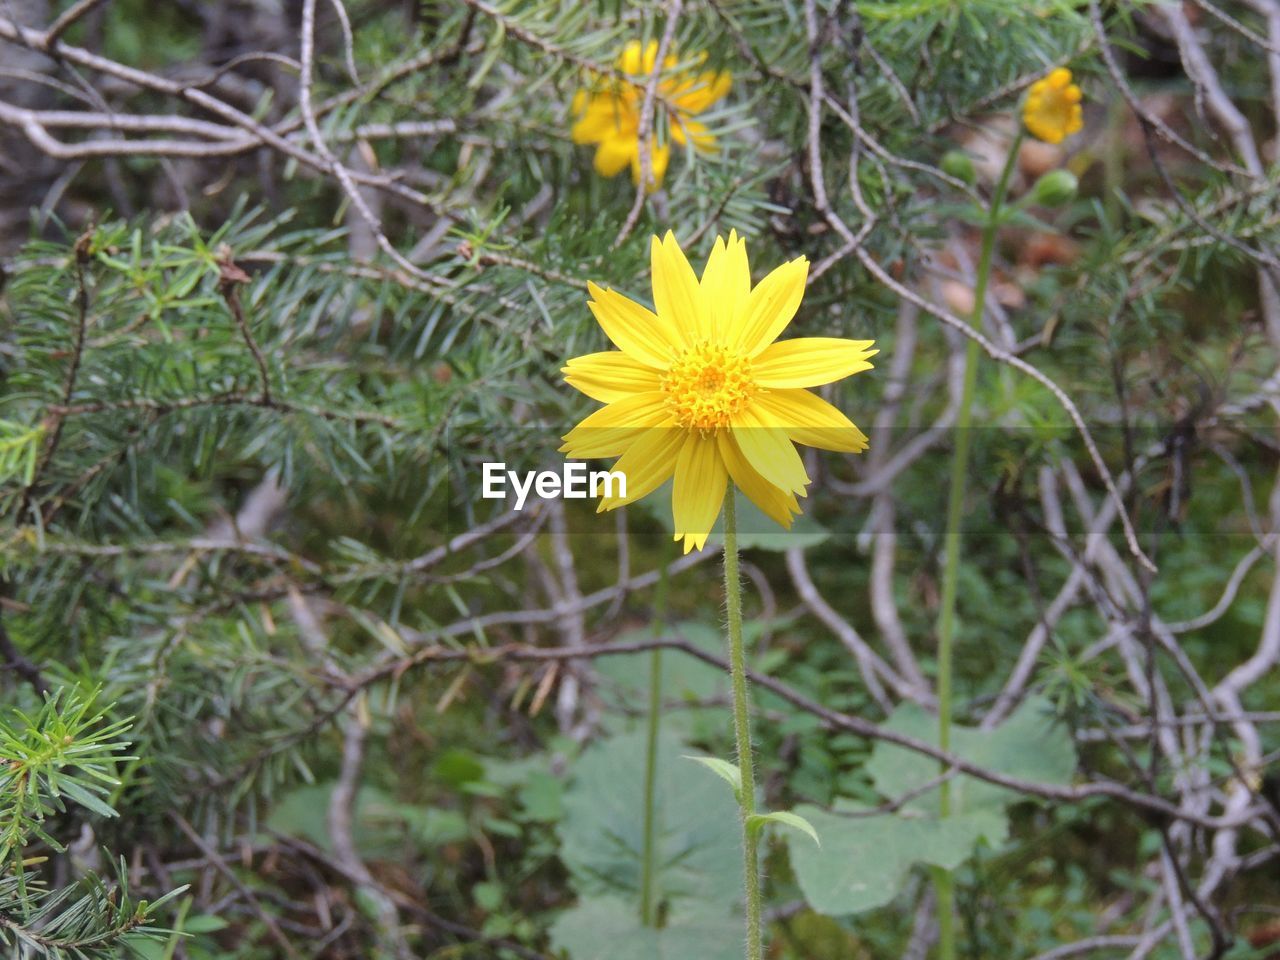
<point x="787" y="818"/>
<point x="685" y="680"/>
<point x="609" y="928"/>
<point x="488" y="896"/>
<point x="865" y="856"/>
<point x="1029" y="745"/>
<point x="382" y="824"/>
<point x="457" y="767"/>
<point x="542" y="797"/>
<point x="698" y="846"/>
<point x="699" y="691"/>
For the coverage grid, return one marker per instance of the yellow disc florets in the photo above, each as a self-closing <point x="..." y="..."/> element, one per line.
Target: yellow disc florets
<point x="706" y="386"/>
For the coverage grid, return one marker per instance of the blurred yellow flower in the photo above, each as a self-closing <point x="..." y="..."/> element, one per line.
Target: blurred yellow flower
<point x="609" y="114"/>
<point x="1052" y="110"/>
<point x="699" y="390"/>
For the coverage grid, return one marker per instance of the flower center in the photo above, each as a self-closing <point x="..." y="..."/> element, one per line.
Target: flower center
<point x="706" y="386"/>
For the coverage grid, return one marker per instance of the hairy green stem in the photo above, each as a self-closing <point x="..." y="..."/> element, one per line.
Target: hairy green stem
<point x="742" y="726"/>
<point x="943" y="882"/>
<point x="648" y="856"/>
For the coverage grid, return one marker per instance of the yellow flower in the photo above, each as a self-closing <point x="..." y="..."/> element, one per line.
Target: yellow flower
<point x="699" y="390"/>
<point x="609" y="115"/>
<point x="1052" y="110"/>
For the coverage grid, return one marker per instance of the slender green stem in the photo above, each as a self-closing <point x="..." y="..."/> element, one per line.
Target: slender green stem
<point x="648" y="856"/>
<point x="955" y="510"/>
<point x="742" y="726"/>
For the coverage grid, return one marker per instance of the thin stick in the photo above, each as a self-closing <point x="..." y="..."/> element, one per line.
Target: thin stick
<point x="645" y="144"/>
<point x="70" y="18"/>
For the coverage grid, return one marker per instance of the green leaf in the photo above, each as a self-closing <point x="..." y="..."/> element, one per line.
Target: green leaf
<point x="866" y="856"/>
<point x="302" y="813"/>
<point x="726" y="771"/>
<point x="609" y="928"/>
<point x="699" y="687"/>
<point x="1029" y="745"/>
<point x="602" y="834"/>
<point x="382" y="824"/>
<point x="457" y="767"/>
<point x="488" y="896"/>
<point x="759" y="820"/>
<point x="542" y="797"/>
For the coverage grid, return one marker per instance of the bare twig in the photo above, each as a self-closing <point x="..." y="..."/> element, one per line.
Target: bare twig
<point x="646" y="122"/>
<point x="71" y="16"/>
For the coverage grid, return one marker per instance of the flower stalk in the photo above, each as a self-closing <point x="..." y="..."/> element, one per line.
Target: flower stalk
<point x="742" y="726"/>
<point x="943" y="882"/>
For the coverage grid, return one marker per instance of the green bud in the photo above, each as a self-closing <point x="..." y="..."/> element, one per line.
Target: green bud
<point x="1055" y="188"/>
<point x="958" y="165"/>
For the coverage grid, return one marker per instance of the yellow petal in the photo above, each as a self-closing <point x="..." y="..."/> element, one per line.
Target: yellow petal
<point x="637" y="332"/>
<point x="650" y="56"/>
<point x="697" y="95"/>
<point x="647" y="464"/>
<point x="770" y="307"/>
<point x="611" y="431"/>
<point x="630" y="61"/>
<point x="811" y="361"/>
<point x="726" y="282"/>
<point x="588" y="128"/>
<point x="659" y="157"/>
<point x="610" y="376"/>
<point x="682" y="131"/>
<point x="698" y="490"/>
<point x="613" y="155"/>
<point x="769" y="451"/>
<point x="777" y="504"/>
<point x="675" y="290"/>
<point x="602" y="117"/>
<point x="810" y="420"/>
